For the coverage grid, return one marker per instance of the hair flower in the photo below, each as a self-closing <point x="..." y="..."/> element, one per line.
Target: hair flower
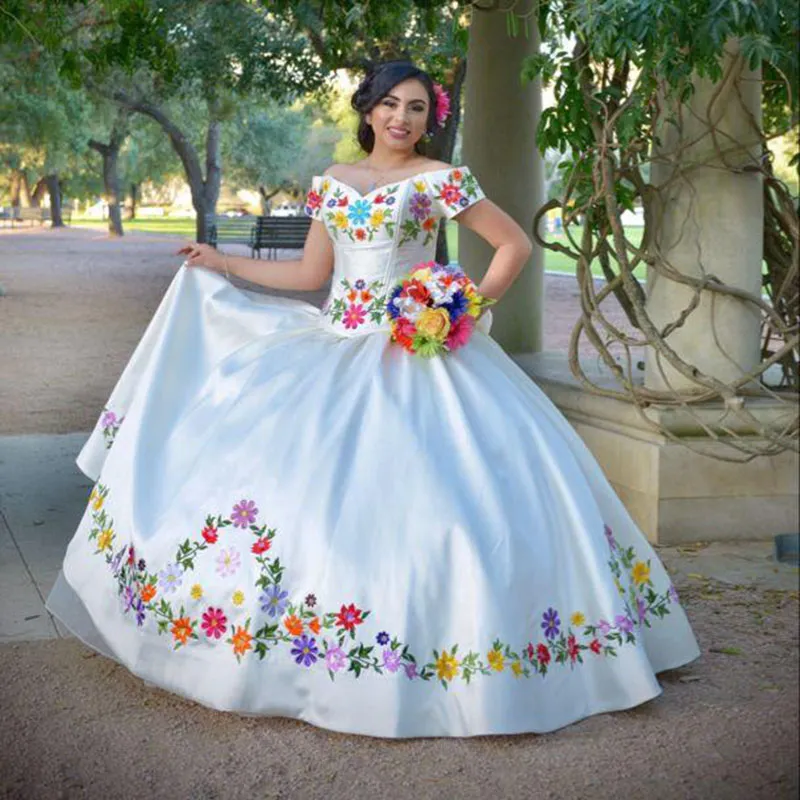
<point x="442" y="104"/>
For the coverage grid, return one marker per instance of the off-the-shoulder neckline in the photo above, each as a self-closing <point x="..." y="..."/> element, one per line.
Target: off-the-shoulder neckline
<point x="391" y="183"/>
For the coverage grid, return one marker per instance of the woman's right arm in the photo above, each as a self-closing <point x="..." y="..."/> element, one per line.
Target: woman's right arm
<point x="305" y="274"/>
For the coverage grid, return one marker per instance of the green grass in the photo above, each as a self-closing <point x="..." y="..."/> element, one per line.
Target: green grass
<point x="185" y="226"/>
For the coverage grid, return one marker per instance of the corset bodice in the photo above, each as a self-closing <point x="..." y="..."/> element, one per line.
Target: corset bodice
<point x="377" y="237"/>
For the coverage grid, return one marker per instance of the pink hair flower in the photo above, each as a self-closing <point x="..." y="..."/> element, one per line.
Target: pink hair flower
<point x="442" y="104"/>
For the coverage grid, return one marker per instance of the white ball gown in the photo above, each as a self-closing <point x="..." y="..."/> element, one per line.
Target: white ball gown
<point x="294" y="516"/>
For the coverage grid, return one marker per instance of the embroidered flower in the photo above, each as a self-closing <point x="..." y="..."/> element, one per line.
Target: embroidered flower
<point x="294" y="625"/>
<point x="241" y="641"/>
<point x="604" y="627"/>
<point x="543" y="654"/>
<point x="108" y="419"/>
<point x="314" y="626"/>
<point x="273" y="600"/>
<point x="244" y="514"/>
<point x="641" y="609"/>
<point x="354" y="316"/>
<point x="446" y="666"/>
<point x="672" y="593"/>
<point x="572" y="648"/>
<point x="196" y="591"/>
<point x="105" y="538"/>
<point x="214" y="623"/>
<point x="261" y="545"/>
<point x="311" y="600"/>
<point x="411" y="671"/>
<point x="360" y="234"/>
<point x="382" y="638"/>
<point x="313" y="201"/>
<point x="577" y="619"/>
<point x="148" y="592"/>
<point x="450" y="193"/>
<point x="181" y="629"/>
<point x="138" y="607"/>
<point x="640" y="573"/>
<point x="624" y="623"/>
<point x="237" y="598"/>
<point x="96" y="500"/>
<point x="335" y="659"/>
<point x="170" y="578"/>
<point x="612" y="542"/>
<point x="210" y="534"/>
<point x="359" y="212"/>
<point x="420" y="206"/>
<point x="517" y="669"/>
<point x="348" y="617"/>
<point x="496" y="660"/>
<point x="595" y="646"/>
<point x="391" y="660"/>
<point x="305" y="651"/>
<point x="377" y="217"/>
<point x="228" y="562"/>
<point x="551" y="623"/>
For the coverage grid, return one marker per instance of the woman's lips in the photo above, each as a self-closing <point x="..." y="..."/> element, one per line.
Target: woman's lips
<point x="397" y="133"/>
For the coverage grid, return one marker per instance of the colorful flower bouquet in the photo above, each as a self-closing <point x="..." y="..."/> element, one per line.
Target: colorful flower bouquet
<point x="433" y="309"/>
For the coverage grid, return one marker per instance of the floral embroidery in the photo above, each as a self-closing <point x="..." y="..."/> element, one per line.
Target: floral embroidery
<point x="421" y="220"/>
<point x="458" y="190"/>
<point x="359" y="219"/>
<point x="353" y="304"/>
<point x="329" y="639"/>
<point x="110" y="423"/>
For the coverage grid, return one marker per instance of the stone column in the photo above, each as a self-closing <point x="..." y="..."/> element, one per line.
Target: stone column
<point x="711" y="223"/>
<point x="499" y="145"/>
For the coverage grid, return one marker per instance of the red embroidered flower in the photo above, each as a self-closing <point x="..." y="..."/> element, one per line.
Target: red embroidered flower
<point x="314" y="200"/>
<point x="366" y="296"/>
<point x="361" y="234"/>
<point x="210" y="534"/>
<point x="131" y="555"/>
<point x="379" y="198"/>
<point x="214" y="622"/>
<point x="543" y="654"/>
<point x="261" y="546"/>
<point x="595" y="646"/>
<point x="531" y="651"/>
<point x="343" y="201"/>
<point x="572" y="647"/>
<point x="456" y="175"/>
<point x="429" y="224"/>
<point x="450" y="193"/>
<point x="349" y="617"/>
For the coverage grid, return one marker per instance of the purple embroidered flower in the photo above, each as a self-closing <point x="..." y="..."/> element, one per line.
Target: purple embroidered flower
<point x="391" y="660"/>
<point x="244" y="514"/>
<point x="116" y="561"/>
<point x="138" y="607"/>
<point x="604" y="626"/>
<point x="624" y="623"/>
<point x="551" y="623"/>
<point x="360" y="284"/>
<point x="411" y="671"/>
<point x="335" y="659"/>
<point x="390" y="201"/>
<point x="311" y="600"/>
<point x="672" y="593"/>
<point x="228" y="562"/>
<point x="108" y="420"/>
<point x="142" y="565"/>
<point x="331" y="203"/>
<point x="128" y="596"/>
<point x="170" y="578"/>
<point x="612" y="542"/>
<point x="305" y="650"/>
<point x="382" y="638"/>
<point x="420" y="206"/>
<point x="273" y="600"/>
<point x="641" y="609"/>
<point x="463" y="202"/>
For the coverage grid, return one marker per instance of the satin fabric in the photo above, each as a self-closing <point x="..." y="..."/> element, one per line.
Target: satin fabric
<point x="415" y="531"/>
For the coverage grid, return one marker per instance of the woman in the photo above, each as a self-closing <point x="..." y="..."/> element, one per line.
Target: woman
<point x="295" y="516"/>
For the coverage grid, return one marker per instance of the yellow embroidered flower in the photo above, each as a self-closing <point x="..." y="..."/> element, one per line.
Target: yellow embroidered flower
<point x="446" y="666"/>
<point x="196" y="591"/>
<point x="516" y="668"/>
<point x="640" y="572"/>
<point x="496" y="660"/>
<point x="238" y="597"/>
<point x="578" y="619"/>
<point x="419" y="186"/>
<point x="96" y="500"/>
<point x="434" y="322"/>
<point x="377" y="218"/>
<point x="326" y="184"/>
<point x="104" y="539"/>
<point x="340" y="220"/>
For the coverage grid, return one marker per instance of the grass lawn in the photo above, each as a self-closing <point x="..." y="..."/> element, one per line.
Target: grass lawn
<point x="184" y="226"/>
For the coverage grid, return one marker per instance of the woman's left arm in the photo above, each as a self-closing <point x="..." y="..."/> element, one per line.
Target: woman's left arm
<point x="511" y="244"/>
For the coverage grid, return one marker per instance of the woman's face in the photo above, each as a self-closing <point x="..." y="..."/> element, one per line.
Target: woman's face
<point x="399" y="119"/>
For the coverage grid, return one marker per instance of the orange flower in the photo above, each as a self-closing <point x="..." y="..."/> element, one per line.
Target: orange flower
<point x="241" y="641"/>
<point x="428" y="224"/>
<point x="148" y="592"/>
<point x="351" y="295"/>
<point x="456" y="175"/>
<point x="314" y="625"/>
<point x="366" y="296"/>
<point x="181" y="629"/>
<point x="294" y="625"/>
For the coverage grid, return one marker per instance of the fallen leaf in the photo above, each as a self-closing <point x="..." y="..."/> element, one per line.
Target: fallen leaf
<point x="728" y="651"/>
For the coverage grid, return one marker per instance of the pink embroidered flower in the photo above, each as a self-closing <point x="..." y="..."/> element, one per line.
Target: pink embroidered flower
<point x="460" y="332"/>
<point x="228" y="562"/>
<point x="354" y="316"/>
<point x="595" y="646"/>
<point x="314" y="200"/>
<point x="572" y="647"/>
<point x="214" y="622"/>
<point x="450" y="193"/>
<point x="244" y="514"/>
<point x="335" y="659"/>
<point x="442" y="104"/>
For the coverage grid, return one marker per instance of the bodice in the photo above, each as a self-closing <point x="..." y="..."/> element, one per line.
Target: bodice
<point x="379" y="236"/>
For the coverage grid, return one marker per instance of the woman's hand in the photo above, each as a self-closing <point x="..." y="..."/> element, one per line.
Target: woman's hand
<point x="202" y="255"/>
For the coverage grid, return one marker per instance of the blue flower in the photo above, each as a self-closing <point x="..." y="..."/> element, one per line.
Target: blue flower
<point x="457" y="306"/>
<point x="273" y="600"/>
<point x="331" y="203"/>
<point x="305" y="651"/>
<point x="551" y="623"/>
<point x="359" y="212"/>
<point x="390" y="201"/>
<point x="382" y="638"/>
<point x="391" y="309"/>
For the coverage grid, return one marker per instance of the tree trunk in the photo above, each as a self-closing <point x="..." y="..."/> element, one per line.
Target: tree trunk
<point x="134" y="197"/>
<point x="39" y="192"/>
<point x="443" y="144"/>
<point x="24" y="190"/>
<point x="56" y="220"/>
<point x="110" y="154"/>
<point x="266" y="206"/>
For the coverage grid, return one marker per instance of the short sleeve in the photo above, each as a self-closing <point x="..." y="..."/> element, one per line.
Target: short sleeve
<point x="316" y="197"/>
<point x="453" y="190"/>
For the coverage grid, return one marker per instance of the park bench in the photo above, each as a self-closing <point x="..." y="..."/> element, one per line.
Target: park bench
<point x="41" y="215"/>
<point x="278" y="233"/>
<point x="230" y="230"/>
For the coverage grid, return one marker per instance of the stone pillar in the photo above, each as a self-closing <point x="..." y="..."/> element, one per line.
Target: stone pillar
<point x="710" y="223"/>
<point x="499" y="145"/>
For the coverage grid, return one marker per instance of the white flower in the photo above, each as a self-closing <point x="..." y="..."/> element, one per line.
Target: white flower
<point x="170" y="578"/>
<point x="409" y="307"/>
<point x="228" y="562"/>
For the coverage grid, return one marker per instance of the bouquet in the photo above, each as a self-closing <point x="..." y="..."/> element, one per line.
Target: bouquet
<point x="433" y="309"/>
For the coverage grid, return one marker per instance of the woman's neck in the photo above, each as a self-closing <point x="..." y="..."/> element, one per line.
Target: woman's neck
<point x="389" y="161"/>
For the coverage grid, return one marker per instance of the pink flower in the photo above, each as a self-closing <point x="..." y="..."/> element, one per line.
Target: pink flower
<point x="214" y="622"/>
<point x="244" y="514"/>
<point x="442" y="104"/>
<point x="354" y="316"/>
<point x="460" y="332"/>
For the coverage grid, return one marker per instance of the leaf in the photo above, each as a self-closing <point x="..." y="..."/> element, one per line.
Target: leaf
<point x="728" y="651"/>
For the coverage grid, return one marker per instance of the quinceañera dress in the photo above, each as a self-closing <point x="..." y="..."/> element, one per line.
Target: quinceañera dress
<point x="294" y="516"/>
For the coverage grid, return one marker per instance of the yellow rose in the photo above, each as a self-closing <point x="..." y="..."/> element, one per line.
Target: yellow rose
<point x="435" y="323"/>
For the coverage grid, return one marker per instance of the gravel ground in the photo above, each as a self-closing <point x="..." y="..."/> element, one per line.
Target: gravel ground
<point x="75" y="724"/>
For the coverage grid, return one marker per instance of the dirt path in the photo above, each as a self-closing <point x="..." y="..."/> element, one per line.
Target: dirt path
<point x="77" y="303"/>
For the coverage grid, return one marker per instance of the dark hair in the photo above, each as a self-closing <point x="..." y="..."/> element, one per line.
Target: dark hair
<point x="377" y="83"/>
